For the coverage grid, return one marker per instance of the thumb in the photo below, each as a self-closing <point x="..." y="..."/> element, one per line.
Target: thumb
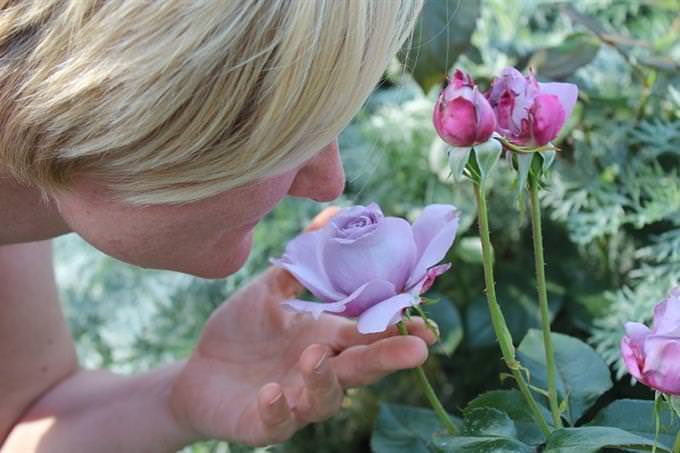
<point x="322" y="218"/>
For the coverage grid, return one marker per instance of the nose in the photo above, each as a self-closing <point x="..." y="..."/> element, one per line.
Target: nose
<point x="322" y="178"/>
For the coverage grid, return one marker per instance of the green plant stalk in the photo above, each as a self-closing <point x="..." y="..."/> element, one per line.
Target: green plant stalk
<point x="497" y="320"/>
<point x="537" y="234"/>
<point x="676" y="444"/>
<point x="429" y="392"/>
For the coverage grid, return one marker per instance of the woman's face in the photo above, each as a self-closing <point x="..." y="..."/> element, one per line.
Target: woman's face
<point x="209" y="238"/>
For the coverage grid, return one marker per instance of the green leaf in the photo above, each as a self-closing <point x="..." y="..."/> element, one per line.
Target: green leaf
<point x="559" y="62"/>
<point x="582" y="375"/>
<point x="445" y="314"/>
<point x="512" y="403"/>
<point x="637" y="417"/>
<point x="675" y="404"/>
<point x="441" y="35"/>
<point x="469" y="249"/>
<point x="486" y="444"/>
<point x="488" y="421"/>
<point x="591" y="439"/>
<point x="404" y="429"/>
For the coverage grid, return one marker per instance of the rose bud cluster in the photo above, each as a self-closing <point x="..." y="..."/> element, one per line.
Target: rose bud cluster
<point x="524" y="111"/>
<point x="371" y="267"/>
<point x="652" y="356"/>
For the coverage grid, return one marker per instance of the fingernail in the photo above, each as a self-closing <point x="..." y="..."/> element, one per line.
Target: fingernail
<point x="318" y="368"/>
<point x="276" y="399"/>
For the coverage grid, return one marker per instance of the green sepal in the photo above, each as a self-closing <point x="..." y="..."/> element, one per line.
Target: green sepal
<point x="428" y="300"/>
<point x="523" y="168"/>
<point x="458" y="160"/>
<point x="674" y="402"/>
<point x="487" y="154"/>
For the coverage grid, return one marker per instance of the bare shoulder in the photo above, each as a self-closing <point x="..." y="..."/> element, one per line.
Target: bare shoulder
<point x="36" y="349"/>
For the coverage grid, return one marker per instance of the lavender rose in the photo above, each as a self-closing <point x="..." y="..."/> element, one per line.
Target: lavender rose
<point x="365" y="265"/>
<point x="653" y="356"/>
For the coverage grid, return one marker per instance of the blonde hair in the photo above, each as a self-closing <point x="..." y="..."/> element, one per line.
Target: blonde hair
<point x="169" y="101"/>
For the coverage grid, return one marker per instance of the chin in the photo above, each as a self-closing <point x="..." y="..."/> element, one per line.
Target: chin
<point x="223" y="263"/>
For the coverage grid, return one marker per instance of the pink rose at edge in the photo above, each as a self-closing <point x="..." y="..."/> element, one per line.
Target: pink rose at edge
<point x="367" y="266"/>
<point x="462" y="116"/>
<point x="652" y="356"/>
<point x="530" y="113"/>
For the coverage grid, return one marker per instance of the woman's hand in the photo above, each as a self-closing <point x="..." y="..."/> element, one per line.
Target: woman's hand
<point x="261" y="372"/>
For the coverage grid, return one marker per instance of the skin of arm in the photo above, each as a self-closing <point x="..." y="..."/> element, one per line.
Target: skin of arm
<point x="36" y="349"/>
<point x="49" y="404"/>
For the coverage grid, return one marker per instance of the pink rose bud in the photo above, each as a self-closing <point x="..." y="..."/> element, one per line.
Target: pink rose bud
<point x="463" y="117"/>
<point x="530" y="113"/>
<point x="653" y="356"/>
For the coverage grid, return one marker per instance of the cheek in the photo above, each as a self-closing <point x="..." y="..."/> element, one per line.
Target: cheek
<point x="249" y="205"/>
<point x="210" y="239"/>
<point x="139" y="236"/>
<point x="223" y="259"/>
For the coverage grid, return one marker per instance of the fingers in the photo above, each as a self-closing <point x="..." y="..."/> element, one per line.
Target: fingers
<point x="365" y="364"/>
<point x="322" y="218"/>
<point x="349" y="336"/>
<point x="322" y="394"/>
<point x="282" y="282"/>
<point x="278" y="422"/>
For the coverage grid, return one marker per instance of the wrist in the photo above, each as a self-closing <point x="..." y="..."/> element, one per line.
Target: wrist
<point x="178" y="429"/>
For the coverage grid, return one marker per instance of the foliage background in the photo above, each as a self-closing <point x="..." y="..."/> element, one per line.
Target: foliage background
<point x="612" y="207"/>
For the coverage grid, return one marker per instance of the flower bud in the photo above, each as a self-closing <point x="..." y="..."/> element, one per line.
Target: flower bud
<point x="530" y="113"/>
<point x="463" y="117"/>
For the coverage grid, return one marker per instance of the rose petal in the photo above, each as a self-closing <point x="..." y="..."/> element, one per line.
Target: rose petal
<point x="546" y="119"/>
<point x="374" y="292"/>
<point x="366" y="295"/>
<point x="504" y="110"/>
<point x="456" y="121"/>
<point x="379" y="317"/>
<point x="632" y="358"/>
<point x="637" y="333"/>
<point x="510" y="79"/>
<point x="486" y="118"/>
<point x="434" y="232"/>
<point x="387" y="254"/>
<point x="371" y="215"/>
<point x="315" y="308"/>
<point x="667" y="315"/>
<point x="662" y="364"/>
<point x="303" y="259"/>
<point x="632" y="347"/>
<point x="426" y="282"/>
<point x="566" y="92"/>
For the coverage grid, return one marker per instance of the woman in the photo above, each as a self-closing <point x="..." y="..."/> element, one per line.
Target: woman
<point x="162" y="132"/>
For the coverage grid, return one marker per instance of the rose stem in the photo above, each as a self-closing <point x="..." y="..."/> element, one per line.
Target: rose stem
<point x="676" y="445"/>
<point x="537" y="235"/>
<point x="497" y="320"/>
<point x="429" y="392"/>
